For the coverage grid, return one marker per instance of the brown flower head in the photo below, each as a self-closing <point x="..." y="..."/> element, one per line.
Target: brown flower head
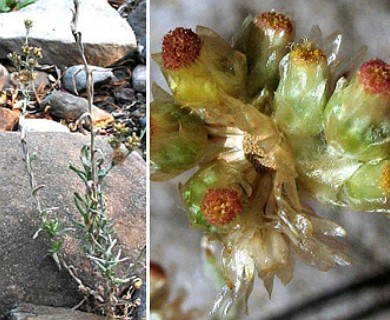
<point x="180" y="48"/>
<point x="375" y="76"/>
<point x="221" y="206"/>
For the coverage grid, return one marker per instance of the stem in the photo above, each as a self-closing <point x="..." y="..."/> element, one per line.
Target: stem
<point x="90" y="90"/>
<point x="27" y="158"/>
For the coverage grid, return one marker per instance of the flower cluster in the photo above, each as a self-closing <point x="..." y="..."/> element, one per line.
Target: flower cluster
<point x="26" y="62"/>
<point x="262" y="119"/>
<point x="121" y="146"/>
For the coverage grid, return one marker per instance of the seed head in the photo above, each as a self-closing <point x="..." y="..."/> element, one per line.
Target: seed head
<point x="375" y="76"/>
<point x="180" y="48"/>
<point x="221" y="206"/>
<point x="273" y="20"/>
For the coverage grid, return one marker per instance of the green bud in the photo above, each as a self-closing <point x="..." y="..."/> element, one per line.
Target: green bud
<point x="357" y="117"/>
<point x="198" y="66"/>
<point x="214" y="196"/>
<point x="178" y="139"/>
<point x="264" y="41"/>
<point x="133" y="141"/>
<point x="369" y="187"/>
<point x="302" y="92"/>
<point x="28" y="24"/>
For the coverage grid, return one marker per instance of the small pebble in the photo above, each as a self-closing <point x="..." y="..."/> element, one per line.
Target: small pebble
<point x="69" y="107"/>
<point x="139" y="78"/>
<point x="124" y="95"/>
<point x="76" y="75"/>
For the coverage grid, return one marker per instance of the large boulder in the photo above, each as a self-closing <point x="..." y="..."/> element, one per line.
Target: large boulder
<point x="27" y="273"/>
<point x="106" y="36"/>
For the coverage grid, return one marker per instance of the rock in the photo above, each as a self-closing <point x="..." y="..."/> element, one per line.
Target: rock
<point x="124" y="95"/>
<point x="8" y="119"/>
<point x="121" y="74"/>
<point x="142" y="122"/>
<point x="3" y="76"/>
<point x="69" y="107"/>
<point x="42" y="79"/>
<point x="137" y="19"/>
<point x="106" y="36"/>
<point x="42" y="125"/>
<point x="142" y="47"/>
<point x="27" y="311"/>
<point x="139" y="78"/>
<point x="27" y="273"/>
<point x="76" y="75"/>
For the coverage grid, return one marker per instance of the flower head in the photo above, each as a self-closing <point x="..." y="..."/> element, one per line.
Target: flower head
<point x="307" y="53"/>
<point x="303" y="90"/>
<point x="28" y="24"/>
<point x="180" y="48"/>
<point x="375" y="77"/>
<point x="214" y="196"/>
<point x="274" y="21"/>
<point x="199" y="65"/>
<point x="357" y="116"/>
<point x="221" y="206"/>
<point x="264" y="40"/>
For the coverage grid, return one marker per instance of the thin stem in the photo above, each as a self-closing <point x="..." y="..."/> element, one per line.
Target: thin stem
<point x="23" y="141"/>
<point x="89" y="87"/>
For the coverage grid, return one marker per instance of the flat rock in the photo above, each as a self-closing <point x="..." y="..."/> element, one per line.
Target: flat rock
<point x="74" y="79"/>
<point x="27" y="273"/>
<point x="8" y="119"/>
<point x="27" y="311"/>
<point x="42" y="125"/>
<point x="106" y="36"/>
<point x="69" y="107"/>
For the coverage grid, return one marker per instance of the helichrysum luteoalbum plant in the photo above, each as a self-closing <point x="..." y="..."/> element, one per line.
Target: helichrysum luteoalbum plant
<point x="111" y="290"/>
<point x="261" y="120"/>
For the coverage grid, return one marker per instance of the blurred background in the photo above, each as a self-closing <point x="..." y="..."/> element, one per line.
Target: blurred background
<point x="358" y="292"/>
